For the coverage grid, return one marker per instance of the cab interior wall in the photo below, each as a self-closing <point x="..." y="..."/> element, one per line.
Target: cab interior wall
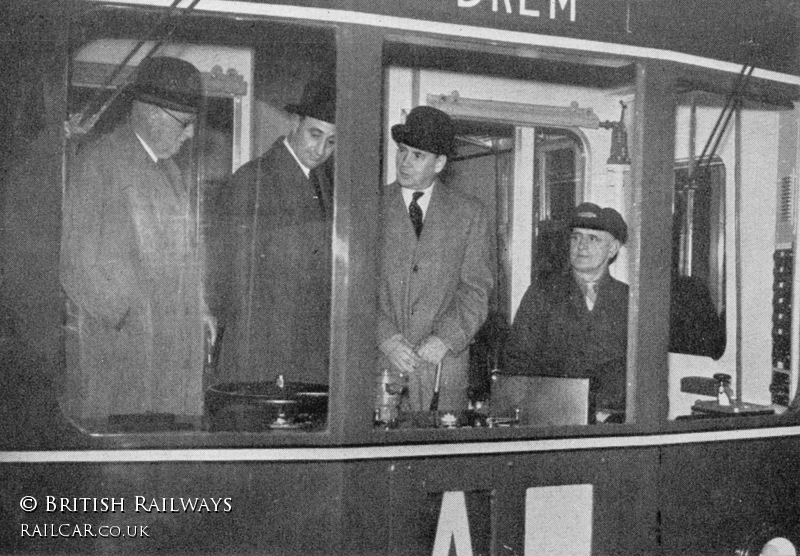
<point x="409" y="88"/>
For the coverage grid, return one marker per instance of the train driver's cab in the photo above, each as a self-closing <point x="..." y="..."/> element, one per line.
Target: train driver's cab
<point x="703" y="171"/>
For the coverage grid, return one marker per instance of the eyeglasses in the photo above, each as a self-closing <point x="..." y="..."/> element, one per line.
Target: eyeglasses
<point x="184" y="123"/>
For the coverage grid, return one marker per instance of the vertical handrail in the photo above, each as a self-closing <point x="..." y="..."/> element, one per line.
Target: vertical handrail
<point x="737" y="211"/>
<point x="794" y="338"/>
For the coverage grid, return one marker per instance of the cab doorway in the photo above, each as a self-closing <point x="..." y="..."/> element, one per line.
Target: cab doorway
<point x="528" y="179"/>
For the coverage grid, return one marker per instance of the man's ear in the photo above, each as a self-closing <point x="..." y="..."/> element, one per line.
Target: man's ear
<point x="441" y="160"/>
<point x="616" y="245"/>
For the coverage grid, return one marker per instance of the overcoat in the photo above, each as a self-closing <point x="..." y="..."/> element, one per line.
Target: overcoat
<point x="438" y="284"/>
<point x="276" y="269"/>
<point x="131" y="269"/>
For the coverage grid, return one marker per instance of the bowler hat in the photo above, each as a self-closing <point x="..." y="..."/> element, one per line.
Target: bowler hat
<point x="170" y="83"/>
<point x="589" y="215"/>
<point x="426" y="128"/>
<point x="318" y="102"/>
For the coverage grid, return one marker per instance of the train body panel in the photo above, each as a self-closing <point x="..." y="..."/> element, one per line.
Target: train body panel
<point x="709" y="497"/>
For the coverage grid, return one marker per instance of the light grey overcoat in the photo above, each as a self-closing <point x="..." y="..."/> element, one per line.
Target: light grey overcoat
<point x="438" y="284"/>
<point x="131" y="269"/>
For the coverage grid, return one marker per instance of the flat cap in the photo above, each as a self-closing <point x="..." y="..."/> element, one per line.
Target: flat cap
<point x="593" y="217"/>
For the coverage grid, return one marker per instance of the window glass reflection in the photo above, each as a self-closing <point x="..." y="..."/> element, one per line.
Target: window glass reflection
<point x="198" y="284"/>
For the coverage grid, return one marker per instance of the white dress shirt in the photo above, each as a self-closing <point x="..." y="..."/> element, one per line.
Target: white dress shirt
<point x="423" y="202"/>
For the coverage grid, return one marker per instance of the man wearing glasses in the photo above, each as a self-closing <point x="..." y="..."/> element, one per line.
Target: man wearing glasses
<point x="130" y="263"/>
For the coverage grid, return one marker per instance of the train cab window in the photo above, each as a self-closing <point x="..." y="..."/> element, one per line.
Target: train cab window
<point x="530" y="141"/>
<point x="697" y="310"/>
<point x="732" y="239"/>
<point x="197" y="213"/>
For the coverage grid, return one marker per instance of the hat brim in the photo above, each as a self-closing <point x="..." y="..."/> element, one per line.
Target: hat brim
<point x="589" y="224"/>
<point x="180" y="103"/>
<point x="592" y="224"/>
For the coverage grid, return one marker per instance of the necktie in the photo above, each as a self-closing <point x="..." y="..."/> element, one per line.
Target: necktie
<point x="172" y="173"/>
<point x="415" y="212"/>
<point x="591" y="294"/>
<point x="318" y="194"/>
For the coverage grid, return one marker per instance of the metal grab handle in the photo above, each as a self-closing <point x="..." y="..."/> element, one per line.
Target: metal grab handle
<point x="435" y="399"/>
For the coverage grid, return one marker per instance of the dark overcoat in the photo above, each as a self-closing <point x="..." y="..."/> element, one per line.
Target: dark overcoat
<point x="277" y="253"/>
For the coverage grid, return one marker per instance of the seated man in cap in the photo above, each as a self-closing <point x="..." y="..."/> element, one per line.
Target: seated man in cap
<point x="276" y="258"/>
<point x="129" y="259"/>
<point x="576" y="324"/>
<point x="435" y="273"/>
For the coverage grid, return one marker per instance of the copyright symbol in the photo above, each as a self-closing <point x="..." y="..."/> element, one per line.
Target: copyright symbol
<point x="28" y="503"/>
